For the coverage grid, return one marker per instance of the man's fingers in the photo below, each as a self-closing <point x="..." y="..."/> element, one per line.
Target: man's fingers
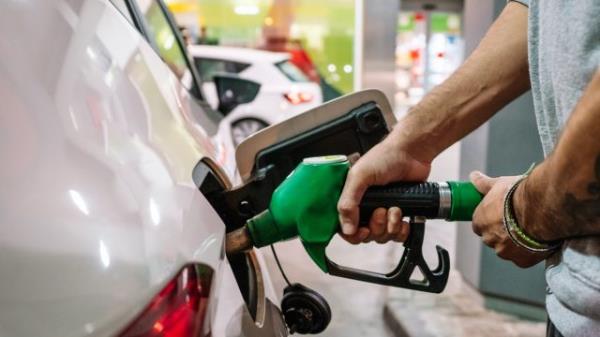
<point x="360" y="236"/>
<point x="355" y="187"/>
<point x="476" y="228"/>
<point x="384" y="225"/>
<point x="490" y="239"/>
<point x="384" y="238"/>
<point x="394" y="221"/>
<point x="378" y="222"/>
<point x="402" y="235"/>
<point x="482" y="182"/>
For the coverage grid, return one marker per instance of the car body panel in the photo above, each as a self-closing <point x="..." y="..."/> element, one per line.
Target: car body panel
<point x="240" y="323"/>
<point x="98" y="209"/>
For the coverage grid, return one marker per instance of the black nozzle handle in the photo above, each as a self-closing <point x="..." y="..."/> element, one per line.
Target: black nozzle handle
<point x="414" y="198"/>
<point x="417" y="201"/>
<point x="434" y="280"/>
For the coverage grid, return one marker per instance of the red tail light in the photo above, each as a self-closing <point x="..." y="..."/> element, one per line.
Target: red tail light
<point x="179" y="309"/>
<point x="298" y="97"/>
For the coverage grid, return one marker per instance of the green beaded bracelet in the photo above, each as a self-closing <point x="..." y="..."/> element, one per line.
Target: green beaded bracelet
<point x="515" y="232"/>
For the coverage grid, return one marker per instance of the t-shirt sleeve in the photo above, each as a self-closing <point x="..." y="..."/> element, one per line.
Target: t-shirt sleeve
<point x="522" y="2"/>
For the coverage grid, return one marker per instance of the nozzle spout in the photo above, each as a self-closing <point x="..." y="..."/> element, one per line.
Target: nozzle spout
<point x="238" y="241"/>
<point x="259" y="231"/>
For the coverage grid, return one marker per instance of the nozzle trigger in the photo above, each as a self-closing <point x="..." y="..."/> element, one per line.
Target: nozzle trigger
<point x="434" y="281"/>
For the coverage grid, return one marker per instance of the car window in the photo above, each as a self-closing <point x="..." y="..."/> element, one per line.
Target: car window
<point x="165" y="39"/>
<point x="207" y="68"/>
<point x="122" y="7"/>
<point x="291" y="71"/>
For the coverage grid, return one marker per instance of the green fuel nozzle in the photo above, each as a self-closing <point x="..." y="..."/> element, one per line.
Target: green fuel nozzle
<point x="305" y="206"/>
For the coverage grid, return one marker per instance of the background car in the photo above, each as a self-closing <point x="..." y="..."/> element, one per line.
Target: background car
<point x="285" y="91"/>
<point x="105" y="142"/>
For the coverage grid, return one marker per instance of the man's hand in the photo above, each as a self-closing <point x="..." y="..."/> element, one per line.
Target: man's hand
<point x="487" y="220"/>
<point x="450" y="111"/>
<point x="384" y="163"/>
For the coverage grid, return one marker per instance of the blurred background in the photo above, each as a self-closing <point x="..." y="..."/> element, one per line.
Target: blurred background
<point x="306" y="52"/>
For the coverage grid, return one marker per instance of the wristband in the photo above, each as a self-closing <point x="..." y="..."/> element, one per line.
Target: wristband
<point x="515" y="232"/>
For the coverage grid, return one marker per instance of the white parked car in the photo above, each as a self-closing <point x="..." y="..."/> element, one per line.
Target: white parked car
<point x="284" y="89"/>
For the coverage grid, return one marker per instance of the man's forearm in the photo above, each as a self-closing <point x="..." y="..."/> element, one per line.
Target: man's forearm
<point x="495" y="74"/>
<point x="561" y="198"/>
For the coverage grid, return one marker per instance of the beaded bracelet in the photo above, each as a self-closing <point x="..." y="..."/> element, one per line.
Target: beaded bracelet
<point x="515" y="232"/>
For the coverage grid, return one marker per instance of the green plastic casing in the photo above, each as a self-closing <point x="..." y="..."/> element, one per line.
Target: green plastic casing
<point x="304" y="205"/>
<point x="465" y="198"/>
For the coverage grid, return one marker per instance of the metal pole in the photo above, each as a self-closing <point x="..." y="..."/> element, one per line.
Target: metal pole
<point x="359" y="30"/>
<point x="427" y="65"/>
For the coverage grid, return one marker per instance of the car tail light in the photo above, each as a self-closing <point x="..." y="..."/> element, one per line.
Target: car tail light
<point x="178" y="310"/>
<point x="298" y="97"/>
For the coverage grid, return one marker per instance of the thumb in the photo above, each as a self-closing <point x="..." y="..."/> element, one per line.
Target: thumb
<point x="482" y="182"/>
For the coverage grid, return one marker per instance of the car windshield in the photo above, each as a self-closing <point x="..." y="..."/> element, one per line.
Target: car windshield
<point x="291" y="71"/>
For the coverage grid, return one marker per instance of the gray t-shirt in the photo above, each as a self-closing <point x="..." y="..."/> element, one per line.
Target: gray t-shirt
<point x="564" y="54"/>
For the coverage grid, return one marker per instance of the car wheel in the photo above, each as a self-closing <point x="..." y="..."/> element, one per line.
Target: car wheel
<point x="243" y="129"/>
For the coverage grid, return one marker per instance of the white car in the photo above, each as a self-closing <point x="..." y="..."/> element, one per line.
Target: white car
<point x="111" y="163"/>
<point x="103" y="231"/>
<point x="284" y="89"/>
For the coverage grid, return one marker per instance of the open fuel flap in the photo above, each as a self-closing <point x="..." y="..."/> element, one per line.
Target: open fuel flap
<point x="348" y="125"/>
<point x="351" y="124"/>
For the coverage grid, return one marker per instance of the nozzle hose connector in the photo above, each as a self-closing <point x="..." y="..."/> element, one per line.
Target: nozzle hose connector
<point x="445" y="200"/>
<point x="465" y="198"/>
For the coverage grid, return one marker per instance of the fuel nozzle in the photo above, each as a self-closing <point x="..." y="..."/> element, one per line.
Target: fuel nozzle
<point x="305" y="206"/>
<point x="453" y="201"/>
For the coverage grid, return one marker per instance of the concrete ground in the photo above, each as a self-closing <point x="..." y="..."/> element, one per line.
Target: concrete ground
<point x="457" y="312"/>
